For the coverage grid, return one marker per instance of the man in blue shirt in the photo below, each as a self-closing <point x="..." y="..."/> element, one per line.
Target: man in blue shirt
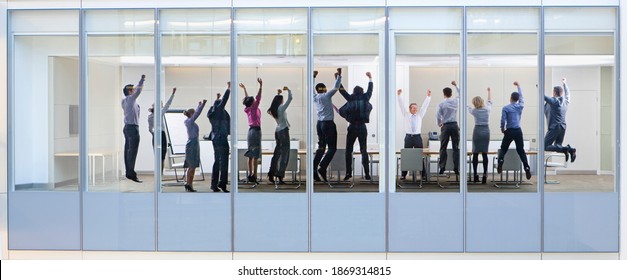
<point x="447" y="121"/>
<point x="131" y="127"/>
<point x="555" y="111"/>
<point x="510" y="126"/>
<point x="327" y="131"/>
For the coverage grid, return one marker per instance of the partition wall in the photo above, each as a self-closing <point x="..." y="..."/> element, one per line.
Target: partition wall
<point x="66" y="183"/>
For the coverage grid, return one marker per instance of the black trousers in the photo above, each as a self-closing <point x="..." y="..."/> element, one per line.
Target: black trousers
<point x="281" y="155"/>
<point x="327" y="136"/>
<point x="412" y="141"/>
<point x="164" y="144"/>
<point x="516" y="135"/>
<point x="449" y="130"/>
<point x="554" y="138"/>
<point x="357" y="132"/>
<point x="220" y="172"/>
<point x="131" y="146"/>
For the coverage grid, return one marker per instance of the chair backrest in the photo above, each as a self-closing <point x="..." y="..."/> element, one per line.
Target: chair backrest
<point x="411" y="159"/>
<point x="511" y="160"/>
<point x="292" y="164"/>
<point x="450" y="164"/>
<point x="242" y="161"/>
<point x="338" y="163"/>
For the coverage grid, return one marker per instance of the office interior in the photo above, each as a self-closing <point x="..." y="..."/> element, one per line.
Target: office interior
<point x="65" y="137"/>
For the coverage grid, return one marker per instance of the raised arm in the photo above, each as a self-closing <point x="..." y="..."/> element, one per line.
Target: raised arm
<point x="258" y="97"/>
<point x="369" y="91"/>
<point x="566" y="91"/>
<point x="338" y="82"/>
<point x="401" y="103"/>
<point x="489" y="104"/>
<point x="225" y="97"/>
<point x="287" y="102"/>
<point x="521" y="100"/>
<point x="315" y="74"/>
<point x="201" y="105"/>
<point x="344" y="93"/>
<point x="168" y="103"/>
<point x="425" y="104"/>
<point x="139" y="87"/>
<point x="456" y="89"/>
<point x="244" y="88"/>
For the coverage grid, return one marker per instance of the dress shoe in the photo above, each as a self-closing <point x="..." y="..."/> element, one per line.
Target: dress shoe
<point x="499" y="167"/>
<point x="281" y="182"/>
<point x="484" y="179"/>
<point x="566" y="155"/>
<point x="367" y="177"/>
<point x="271" y="178"/>
<point x="135" y="179"/>
<point x="476" y="178"/>
<point x="189" y="188"/>
<point x="528" y="172"/>
<point x="223" y="188"/>
<point x="441" y="170"/>
<point x="316" y="177"/>
<point x="573" y="153"/>
<point x="215" y="189"/>
<point x="348" y="177"/>
<point x="323" y="174"/>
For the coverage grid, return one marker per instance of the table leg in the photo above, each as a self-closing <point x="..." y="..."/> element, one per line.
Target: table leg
<point x="103" y="168"/>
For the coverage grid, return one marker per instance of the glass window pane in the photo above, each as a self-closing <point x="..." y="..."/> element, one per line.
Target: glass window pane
<point x="271" y="138"/>
<point x="502" y="19"/>
<point x="270" y="21"/>
<point x="120" y="50"/>
<point x="357" y="129"/>
<point x="429" y="19"/>
<point x="120" y="21"/>
<point x="570" y="19"/>
<point x="580" y="64"/>
<point x="25" y="21"/>
<point x="580" y="140"/>
<point x="46" y="152"/>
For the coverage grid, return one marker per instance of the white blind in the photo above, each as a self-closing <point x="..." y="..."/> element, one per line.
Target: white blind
<point x="122" y="21"/>
<point x="199" y="20"/>
<point x="431" y="19"/>
<point x="34" y="21"/>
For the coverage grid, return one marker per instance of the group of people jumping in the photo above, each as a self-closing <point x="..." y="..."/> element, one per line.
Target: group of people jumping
<point x="220" y="129"/>
<point x="555" y="109"/>
<point x="356" y="111"/>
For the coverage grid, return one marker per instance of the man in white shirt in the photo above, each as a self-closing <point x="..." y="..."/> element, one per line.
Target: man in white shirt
<point x="412" y="122"/>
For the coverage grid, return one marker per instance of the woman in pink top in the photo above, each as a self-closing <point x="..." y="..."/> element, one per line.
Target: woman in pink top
<point x="254" y="132"/>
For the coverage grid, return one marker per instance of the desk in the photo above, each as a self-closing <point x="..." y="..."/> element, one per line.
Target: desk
<point x="92" y="155"/>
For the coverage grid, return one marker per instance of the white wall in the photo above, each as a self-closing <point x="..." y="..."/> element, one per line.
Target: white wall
<point x="64" y="90"/>
<point x="34" y="145"/>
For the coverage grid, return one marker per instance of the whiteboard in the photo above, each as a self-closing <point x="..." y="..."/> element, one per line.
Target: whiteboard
<point x="175" y="130"/>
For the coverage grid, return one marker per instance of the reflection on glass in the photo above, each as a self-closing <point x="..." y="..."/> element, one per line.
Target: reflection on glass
<point x="120" y="60"/>
<point x="272" y="124"/>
